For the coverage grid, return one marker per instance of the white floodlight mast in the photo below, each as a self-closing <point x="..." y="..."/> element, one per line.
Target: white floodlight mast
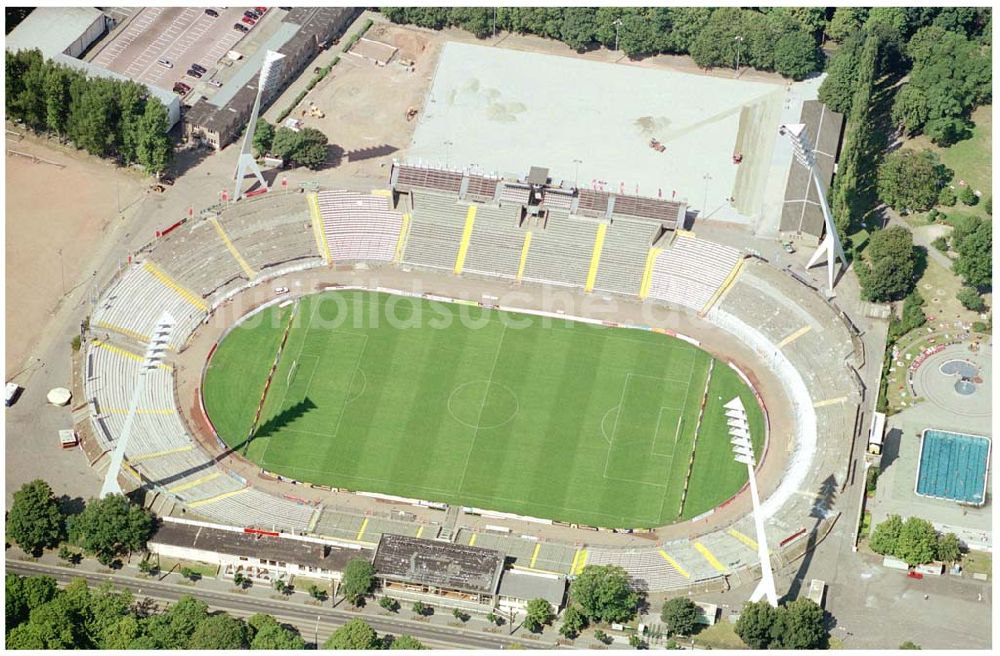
<point x="830" y="246"/>
<point x="246" y="160"/>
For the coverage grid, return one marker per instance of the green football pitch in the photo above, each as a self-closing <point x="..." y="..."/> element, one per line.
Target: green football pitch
<point x="447" y="402"/>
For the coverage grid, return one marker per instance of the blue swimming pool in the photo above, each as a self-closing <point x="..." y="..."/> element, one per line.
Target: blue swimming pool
<point x="953" y="466"/>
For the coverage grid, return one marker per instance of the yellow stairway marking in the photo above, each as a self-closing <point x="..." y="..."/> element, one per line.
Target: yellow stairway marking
<point x="524" y="255"/>
<point x="251" y="274"/>
<point x="318" y="232"/>
<point x="195" y="482"/>
<point x="404" y="231"/>
<point x="794" y="336"/>
<point x="579" y="561"/>
<point x="821" y="404"/>
<point x="673" y="563"/>
<point x="463" y="247"/>
<point x="472" y="540"/>
<point x="684" y="233"/>
<point x="217" y="497"/>
<point x="185" y="293"/>
<point x="709" y="556"/>
<point x="123" y="331"/>
<point x="361" y="531"/>
<point x="420" y="530"/>
<point x="595" y="257"/>
<point x="647" y="272"/>
<point x="386" y="193"/>
<point x="158" y="454"/>
<point x="534" y="554"/>
<point x="745" y="539"/>
<point x="123" y="352"/>
<point x="726" y="284"/>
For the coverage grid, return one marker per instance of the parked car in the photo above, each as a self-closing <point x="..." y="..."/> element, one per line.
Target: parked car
<point x="181" y="88"/>
<point x="193" y="73"/>
<point x="198" y="67"/>
<point x="248" y="21"/>
<point x="281" y="290"/>
<point x="251" y="14"/>
<point x="166" y="63"/>
<point x="260" y="10"/>
<point x="215" y="83"/>
<point x="241" y="28"/>
<point x="212" y="13"/>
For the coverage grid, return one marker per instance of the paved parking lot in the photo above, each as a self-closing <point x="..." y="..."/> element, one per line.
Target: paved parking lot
<point x="181" y="35"/>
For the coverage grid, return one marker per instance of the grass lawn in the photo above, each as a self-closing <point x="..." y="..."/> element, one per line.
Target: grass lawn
<point x="971" y="159"/>
<point x="206" y="570"/>
<point x="978" y="562"/>
<point x="455" y="403"/>
<point x="721" y="635"/>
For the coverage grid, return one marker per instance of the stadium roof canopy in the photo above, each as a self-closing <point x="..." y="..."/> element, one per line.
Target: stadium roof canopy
<point x="445" y="565"/>
<point x="53" y="30"/>
<point x="519" y="584"/>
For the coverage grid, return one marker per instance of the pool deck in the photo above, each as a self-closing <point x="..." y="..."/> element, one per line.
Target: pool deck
<point x="901" y="456"/>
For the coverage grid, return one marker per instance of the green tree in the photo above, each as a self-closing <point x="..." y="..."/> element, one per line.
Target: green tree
<point x="947" y="196"/>
<point x="974" y="243"/>
<point x="635" y="642"/>
<point x="970" y="299"/>
<point x="419" y="607"/>
<point x="263" y="137"/>
<point x="840" y="84"/>
<point x="285" y="142"/>
<point x="220" y="631"/>
<point x="268" y="633"/>
<point x="799" y="625"/>
<point x="389" y="604"/>
<point x="311" y="152"/>
<point x="917" y="542"/>
<point x="573" y="622"/>
<point x="406" y="642"/>
<point x="34" y="521"/>
<point x="686" y="23"/>
<point x="887" y="272"/>
<point x="356" y="634"/>
<point x="680" y="615"/>
<point x="796" y="55"/>
<point x="111" y="526"/>
<point x="909" y="645"/>
<point x="539" y="613"/>
<point x="578" y="29"/>
<point x="885" y="538"/>
<point x="911" y="181"/>
<point x="357" y="580"/>
<point x="967" y="195"/>
<point x="755" y="622"/>
<point x="605" y="594"/>
<point x="24" y="594"/>
<point x="949" y="549"/>
<point x="846" y="21"/>
<point x="153" y="149"/>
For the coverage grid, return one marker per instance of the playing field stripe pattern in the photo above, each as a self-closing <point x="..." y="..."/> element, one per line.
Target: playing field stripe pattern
<point x="548" y="418"/>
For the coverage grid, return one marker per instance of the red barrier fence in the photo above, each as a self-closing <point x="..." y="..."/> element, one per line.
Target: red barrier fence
<point x="164" y="233"/>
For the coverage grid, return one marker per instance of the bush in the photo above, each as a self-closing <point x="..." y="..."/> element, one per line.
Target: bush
<point x="940" y="243"/>
<point x="970" y="299"/>
<point x="988" y="205"/>
<point x="75" y="343"/>
<point x="872" y="481"/>
<point x="980" y="327"/>
<point x="947" y="197"/>
<point x="968" y="196"/>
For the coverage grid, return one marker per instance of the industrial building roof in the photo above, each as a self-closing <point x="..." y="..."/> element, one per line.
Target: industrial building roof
<point x="440" y="564"/>
<point x="519" y="584"/>
<point x="327" y="555"/>
<point x="51" y="29"/>
<point x="801" y="211"/>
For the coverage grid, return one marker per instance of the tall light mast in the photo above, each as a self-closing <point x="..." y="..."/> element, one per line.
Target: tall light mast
<point x="264" y="86"/>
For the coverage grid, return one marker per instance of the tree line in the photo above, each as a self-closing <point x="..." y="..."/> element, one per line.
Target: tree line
<point x="780" y="39"/>
<point x="105" y="117"/>
<point x="914" y="541"/>
<point x="41" y="616"/>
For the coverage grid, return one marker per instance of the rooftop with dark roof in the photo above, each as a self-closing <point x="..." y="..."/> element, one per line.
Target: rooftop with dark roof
<point x="440" y="564"/>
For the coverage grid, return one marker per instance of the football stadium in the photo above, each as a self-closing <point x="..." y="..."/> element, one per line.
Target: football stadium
<point x="478" y="349"/>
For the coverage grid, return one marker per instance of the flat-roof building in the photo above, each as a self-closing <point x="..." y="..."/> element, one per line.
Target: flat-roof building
<point x="259" y="555"/>
<point x="303" y="32"/>
<point x="62" y="34"/>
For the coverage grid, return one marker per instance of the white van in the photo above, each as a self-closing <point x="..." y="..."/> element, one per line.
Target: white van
<point x="13" y="389"/>
<point x="165" y="63"/>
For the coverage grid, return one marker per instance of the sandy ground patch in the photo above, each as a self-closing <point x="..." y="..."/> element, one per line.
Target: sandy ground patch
<point x="50" y="208"/>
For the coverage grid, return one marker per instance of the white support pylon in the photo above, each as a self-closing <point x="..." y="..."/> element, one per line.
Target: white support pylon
<point x="739" y="431"/>
<point x="246" y="160"/>
<point x="830" y="247"/>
